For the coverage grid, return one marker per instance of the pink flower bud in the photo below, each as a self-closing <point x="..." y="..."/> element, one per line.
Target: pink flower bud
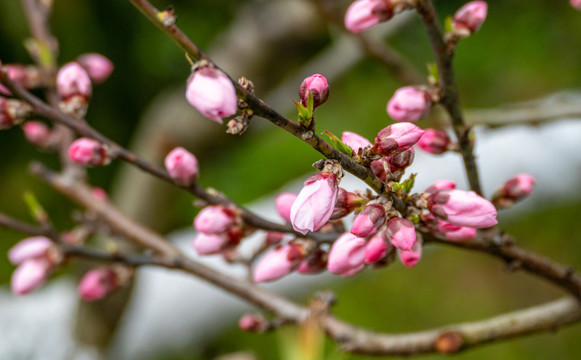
<point x="98" y="283"/>
<point x="368" y="221"/>
<point x="470" y="17"/>
<point x="277" y="263"/>
<point x="208" y="244"/>
<point x="73" y="80"/>
<point x="454" y="232"/>
<point x="99" y="193"/>
<point x="314" y="263"/>
<point x="317" y="85"/>
<point x="354" y="141"/>
<point x="409" y="104"/>
<point x="212" y="93"/>
<point x="88" y="152"/>
<point x="397" y="137"/>
<point x="410" y="258"/>
<point x="214" y="219"/>
<point x="29" y="275"/>
<point x="182" y="166"/>
<point x="519" y="186"/>
<point x="576" y="4"/>
<point x="364" y="14"/>
<point x="346" y="203"/>
<point x="17" y="73"/>
<point x="376" y="248"/>
<point x="273" y="238"/>
<point x="97" y="66"/>
<point x="252" y="322"/>
<point x="463" y="208"/>
<point x="347" y="255"/>
<point x="400" y="161"/>
<point x="401" y="233"/>
<point x="29" y="248"/>
<point x="36" y="132"/>
<point x="378" y="167"/>
<point x="283" y="203"/>
<point x="315" y="203"/>
<point x="434" y="141"/>
<point x="441" y="185"/>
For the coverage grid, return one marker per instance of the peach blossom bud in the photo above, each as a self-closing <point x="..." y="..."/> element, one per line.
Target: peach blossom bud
<point x="36" y="132"/>
<point x="208" y="244"/>
<point x="314" y="263"/>
<point x="364" y="14"/>
<point x="29" y="248"/>
<point x="470" y="17"/>
<point x="519" y="186"/>
<point x="16" y="73"/>
<point x="98" y="283"/>
<point x="401" y="233"/>
<point x="379" y="168"/>
<point x="73" y="80"/>
<point x="441" y="185"/>
<point x="99" y="193"/>
<point x="273" y="238"/>
<point x="182" y="166"/>
<point x="354" y="141"/>
<point x="463" y="208"/>
<point x="283" y="203"/>
<point x="400" y="161"/>
<point x="212" y="93"/>
<point x="214" y="219"/>
<point x="576" y="4"/>
<point x="315" y="203"/>
<point x="409" y="104"/>
<point x="410" y="258"/>
<point x="456" y="233"/>
<point x="434" y="141"/>
<point x="88" y="152"/>
<point x="397" y="137"/>
<point x="346" y="203"/>
<point x="277" y="263"/>
<point x="317" y="85"/>
<point x="376" y="248"/>
<point x="97" y="66"/>
<point x="347" y="255"/>
<point x="252" y="323"/>
<point x="29" y="275"/>
<point x="368" y="221"/>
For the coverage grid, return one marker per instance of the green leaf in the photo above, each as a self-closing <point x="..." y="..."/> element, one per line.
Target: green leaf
<point x="337" y="143"/>
<point x="409" y="183"/>
<point x="310" y="104"/>
<point x="448" y="27"/>
<point x="36" y="210"/>
<point x="303" y="112"/>
<point x="434" y="74"/>
<point x="415" y="218"/>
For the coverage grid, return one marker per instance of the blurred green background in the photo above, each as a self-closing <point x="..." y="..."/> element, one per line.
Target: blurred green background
<point x="524" y="50"/>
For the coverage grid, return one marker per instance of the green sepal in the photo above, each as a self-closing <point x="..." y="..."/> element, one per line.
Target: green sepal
<point x="337" y="143"/>
<point x="310" y="104"/>
<point x="415" y="218"/>
<point x="36" y="210"/>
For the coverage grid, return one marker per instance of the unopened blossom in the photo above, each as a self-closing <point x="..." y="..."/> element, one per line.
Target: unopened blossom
<point x="440" y="185"/>
<point x="29" y="275"/>
<point x="277" y="263"/>
<point x="576" y="4"/>
<point x="30" y="248"/>
<point x="97" y="66"/>
<point x="434" y="141"/>
<point x="21" y="75"/>
<point x="283" y="203"/>
<point x="463" y="208"/>
<point x="380" y="168"/>
<point x="73" y="80"/>
<point x="369" y="220"/>
<point x="376" y="248"/>
<point x="212" y="93"/>
<point x="519" y="186"/>
<point x="397" y="137"/>
<point x="401" y="160"/>
<point x="347" y="255"/>
<point x="401" y="233"/>
<point x="37" y="133"/>
<point x="98" y="283"/>
<point x="410" y="258"/>
<point x="317" y="85"/>
<point x="454" y="232"/>
<point x="88" y="152"/>
<point x="273" y="238"/>
<point x="409" y="103"/>
<point x="99" y="193"/>
<point x="346" y="203"/>
<point x="208" y="244"/>
<point x="182" y="166"/>
<point x="354" y="141"/>
<point x="364" y="14"/>
<point x="315" y="203"/>
<point x="252" y="322"/>
<point x="214" y="219"/>
<point x="314" y="263"/>
<point x="470" y="17"/>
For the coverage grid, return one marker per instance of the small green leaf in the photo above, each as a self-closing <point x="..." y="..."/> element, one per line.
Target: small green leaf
<point x="448" y="24"/>
<point x="396" y="186"/>
<point x="303" y="112"/>
<point x="310" y="104"/>
<point x="409" y="183"/>
<point x="434" y="74"/>
<point x="337" y="143"/>
<point x="415" y="218"/>
<point x="36" y="210"/>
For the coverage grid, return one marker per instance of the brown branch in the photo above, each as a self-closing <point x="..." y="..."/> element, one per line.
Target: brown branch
<point x="11" y="223"/>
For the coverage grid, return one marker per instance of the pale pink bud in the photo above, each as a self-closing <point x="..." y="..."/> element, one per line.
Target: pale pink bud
<point x="88" y="152"/>
<point x="402" y="233"/>
<point x="212" y="93"/>
<point x="368" y="221"/>
<point x="409" y="104"/>
<point x="354" y="141"/>
<point x="208" y="244"/>
<point x="73" y="80"/>
<point x="576" y="4"/>
<point x="410" y="258"/>
<point x="454" y="232"/>
<point x="29" y="275"/>
<point x="400" y="161"/>
<point x="277" y="263"/>
<point x="16" y="73"/>
<point x="376" y="248"/>
<point x="441" y="185"/>
<point x="346" y="203"/>
<point x="364" y="14"/>
<point x="314" y="263"/>
<point x="519" y="186"/>
<point x="463" y="208"/>
<point x="434" y="141"/>
<point x="98" y="283"/>
<point x="471" y="16"/>
<point x="315" y="203"/>
<point x="36" y="132"/>
<point x="283" y="203"/>
<point x="318" y="86"/>
<point x="182" y="166"/>
<point x="99" y="193"/>
<point x="97" y="66"/>
<point x="252" y="322"/>
<point x="379" y="168"/>
<point x="29" y="248"/>
<point x="347" y="255"/>
<point x="214" y="219"/>
<point x="397" y="137"/>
